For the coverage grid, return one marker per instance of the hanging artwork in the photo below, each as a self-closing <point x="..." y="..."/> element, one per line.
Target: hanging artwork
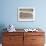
<point x="26" y="14"/>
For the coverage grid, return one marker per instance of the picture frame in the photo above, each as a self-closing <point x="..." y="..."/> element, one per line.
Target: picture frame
<point x="26" y="14"/>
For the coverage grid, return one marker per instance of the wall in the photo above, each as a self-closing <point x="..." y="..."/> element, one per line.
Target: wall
<point x="8" y="13"/>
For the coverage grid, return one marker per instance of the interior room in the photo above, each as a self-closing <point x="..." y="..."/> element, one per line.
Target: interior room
<point x="27" y="17"/>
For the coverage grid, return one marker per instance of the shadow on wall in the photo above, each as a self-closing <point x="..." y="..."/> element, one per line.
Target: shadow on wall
<point x="2" y="26"/>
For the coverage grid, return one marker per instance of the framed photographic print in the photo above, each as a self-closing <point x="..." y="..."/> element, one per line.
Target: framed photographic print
<point x="26" y="14"/>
